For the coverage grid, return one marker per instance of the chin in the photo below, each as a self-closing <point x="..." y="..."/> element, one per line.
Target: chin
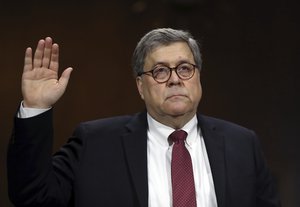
<point x="178" y="111"/>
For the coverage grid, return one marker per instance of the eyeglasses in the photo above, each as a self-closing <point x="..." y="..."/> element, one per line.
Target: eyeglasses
<point x="162" y="73"/>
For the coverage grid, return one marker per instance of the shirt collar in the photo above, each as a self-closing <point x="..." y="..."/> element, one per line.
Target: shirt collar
<point x="161" y="132"/>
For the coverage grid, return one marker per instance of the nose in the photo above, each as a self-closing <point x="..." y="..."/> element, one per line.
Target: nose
<point x="174" y="78"/>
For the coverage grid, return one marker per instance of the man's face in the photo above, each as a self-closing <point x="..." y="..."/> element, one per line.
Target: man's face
<point x="176" y="97"/>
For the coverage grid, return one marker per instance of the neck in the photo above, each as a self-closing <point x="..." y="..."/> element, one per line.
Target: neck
<point x="175" y="122"/>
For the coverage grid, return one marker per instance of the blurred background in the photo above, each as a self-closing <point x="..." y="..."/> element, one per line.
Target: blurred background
<point x="250" y="73"/>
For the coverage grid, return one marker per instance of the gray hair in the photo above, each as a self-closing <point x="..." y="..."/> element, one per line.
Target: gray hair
<point x="162" y="37"/>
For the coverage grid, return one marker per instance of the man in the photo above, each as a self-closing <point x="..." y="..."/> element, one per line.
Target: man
<point x="135" y="160"/>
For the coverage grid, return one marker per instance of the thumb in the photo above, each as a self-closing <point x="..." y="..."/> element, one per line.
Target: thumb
<point x="65" y="76"/>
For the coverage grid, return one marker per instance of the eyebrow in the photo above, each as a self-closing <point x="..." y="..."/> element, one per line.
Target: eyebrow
<point x="167" y="64"/>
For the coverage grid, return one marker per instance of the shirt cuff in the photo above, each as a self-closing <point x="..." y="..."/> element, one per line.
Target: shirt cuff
<point x="24" y="113"/>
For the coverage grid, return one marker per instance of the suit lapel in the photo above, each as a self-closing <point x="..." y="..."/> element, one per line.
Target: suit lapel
<point x="214" y="143"/>
<point x="135" y="146"/>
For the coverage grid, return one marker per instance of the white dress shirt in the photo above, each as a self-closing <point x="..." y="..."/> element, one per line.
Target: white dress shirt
<point x="159" y="161"/>
<point x="159" y="164"/>
<point x="24" y="113"/>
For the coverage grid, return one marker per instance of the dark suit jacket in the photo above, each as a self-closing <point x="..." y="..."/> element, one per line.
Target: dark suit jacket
<point x="104" y="163"/>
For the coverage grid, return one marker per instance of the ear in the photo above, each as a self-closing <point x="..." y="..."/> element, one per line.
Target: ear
<point x="139" y="84"/>
<point x="199" y="74"/>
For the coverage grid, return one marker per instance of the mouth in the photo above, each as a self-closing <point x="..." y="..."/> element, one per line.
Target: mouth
<point x="176" y="96"/>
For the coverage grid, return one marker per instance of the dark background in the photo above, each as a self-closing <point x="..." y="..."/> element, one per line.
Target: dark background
<point x="250" y="74"/>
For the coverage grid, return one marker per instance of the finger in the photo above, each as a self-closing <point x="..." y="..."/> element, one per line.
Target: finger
<point x="28" y="60"/>
<point x="47" y="52"/>
<point x="38" y="55"/>
<point x="54" y="64"/>
<point x="65" y="76"/>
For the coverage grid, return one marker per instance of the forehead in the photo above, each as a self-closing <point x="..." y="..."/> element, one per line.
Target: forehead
<point x="169" y="54"/>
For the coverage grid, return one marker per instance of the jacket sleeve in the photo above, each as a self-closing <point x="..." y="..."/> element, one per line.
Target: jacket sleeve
<point x="266" y="193"/>
<point x="35" y="176"/>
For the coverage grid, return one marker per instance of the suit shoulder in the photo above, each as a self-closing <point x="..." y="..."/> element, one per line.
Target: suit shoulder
<point x="224" y="125"/>
<point x="115" y="124"/>
<point x="106" y="123"/>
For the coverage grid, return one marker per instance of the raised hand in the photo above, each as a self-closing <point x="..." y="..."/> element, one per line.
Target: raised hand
<point x="41" y="87"/>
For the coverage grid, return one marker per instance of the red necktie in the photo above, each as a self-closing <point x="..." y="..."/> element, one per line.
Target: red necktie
<point x="183" y="186"/>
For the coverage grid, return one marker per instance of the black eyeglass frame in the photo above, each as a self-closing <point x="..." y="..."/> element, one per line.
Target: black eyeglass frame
<point x="151" y="72"/>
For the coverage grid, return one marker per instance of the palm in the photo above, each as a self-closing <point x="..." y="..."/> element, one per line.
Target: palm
<point x="41" y="87"/>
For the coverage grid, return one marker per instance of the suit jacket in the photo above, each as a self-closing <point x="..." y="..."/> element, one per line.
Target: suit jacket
<point x="104" y="163"/>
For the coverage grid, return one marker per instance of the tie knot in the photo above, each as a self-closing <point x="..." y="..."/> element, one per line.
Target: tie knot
<point x="178" y="135"/>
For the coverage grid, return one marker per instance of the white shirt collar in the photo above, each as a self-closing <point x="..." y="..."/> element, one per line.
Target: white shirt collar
<point x="161" y="132"/>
